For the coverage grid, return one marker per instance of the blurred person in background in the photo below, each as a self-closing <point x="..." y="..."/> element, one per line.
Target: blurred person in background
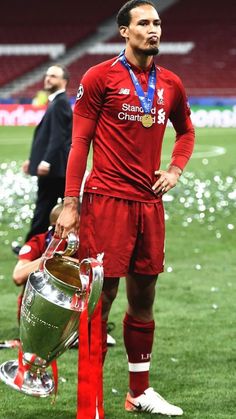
<point x="40" y="99"/>
<point x="49" y="150"/>
<point x="122" y="108"/>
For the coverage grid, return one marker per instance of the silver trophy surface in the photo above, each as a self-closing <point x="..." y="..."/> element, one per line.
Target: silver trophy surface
<point x="54" y="298"/>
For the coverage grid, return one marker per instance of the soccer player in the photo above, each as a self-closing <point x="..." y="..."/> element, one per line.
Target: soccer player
<point x="122" y="108"/>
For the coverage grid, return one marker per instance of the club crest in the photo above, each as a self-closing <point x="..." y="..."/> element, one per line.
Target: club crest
<point x="160" y="96"/>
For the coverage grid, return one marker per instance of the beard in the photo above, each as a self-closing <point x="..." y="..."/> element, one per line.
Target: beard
<point x="151" y="51"/>
<point x="50" y="90"/>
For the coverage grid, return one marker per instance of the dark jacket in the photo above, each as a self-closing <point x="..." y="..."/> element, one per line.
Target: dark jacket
<point x="52" y="137"/>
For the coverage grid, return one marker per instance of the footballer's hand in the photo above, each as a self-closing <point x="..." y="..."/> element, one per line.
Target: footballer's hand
<point x="68" y="220"/>
<point x="166" y="180"/>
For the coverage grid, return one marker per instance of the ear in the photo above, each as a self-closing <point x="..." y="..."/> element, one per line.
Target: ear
<point x="124" y="31"/>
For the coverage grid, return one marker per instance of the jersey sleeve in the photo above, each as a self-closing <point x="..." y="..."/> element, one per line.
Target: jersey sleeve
<point x="89" y="102"/>
<point x="33" y="248"/>
<point x="185" y="134"/>
<point x="90" y="94"/>
<point x="83" y="130"/>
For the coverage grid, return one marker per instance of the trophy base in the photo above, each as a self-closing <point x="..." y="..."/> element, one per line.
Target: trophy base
<point x="38" y="384"/>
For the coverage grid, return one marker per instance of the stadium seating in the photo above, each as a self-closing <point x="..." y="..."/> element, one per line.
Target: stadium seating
<point x="77" y="69"/>
<point x="53" y="21"/>
<point x="208" y="69"/>
<point x="26" y="22"/>
<point x="14" y="66"/>
<point x="44" y="34"/>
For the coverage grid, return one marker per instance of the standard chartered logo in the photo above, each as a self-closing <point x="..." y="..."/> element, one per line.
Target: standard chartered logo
<point x="161" y="115"/>
<point x="134" y="113"/>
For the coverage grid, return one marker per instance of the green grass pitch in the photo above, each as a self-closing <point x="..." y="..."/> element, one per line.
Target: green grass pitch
<point x="193" y="362"/>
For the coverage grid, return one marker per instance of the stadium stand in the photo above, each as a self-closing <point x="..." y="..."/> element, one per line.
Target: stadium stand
<point x="207" y="69"/>
<point x="14" y="65"/>
<point x="76" y="69"/>
<point x="53" y="21"/>
<point x="24" y="23"/>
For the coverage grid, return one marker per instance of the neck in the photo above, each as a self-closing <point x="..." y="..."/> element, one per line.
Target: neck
<point x="137" y="58"/>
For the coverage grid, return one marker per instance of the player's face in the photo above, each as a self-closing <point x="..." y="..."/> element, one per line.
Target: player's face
<point x="144" y="31"/>
<point x="53" y="79"/>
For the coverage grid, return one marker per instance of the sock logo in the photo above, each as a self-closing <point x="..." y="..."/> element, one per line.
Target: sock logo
<point x="146" y="357"/>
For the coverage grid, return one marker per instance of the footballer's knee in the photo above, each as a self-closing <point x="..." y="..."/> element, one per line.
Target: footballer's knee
<point x="141" y="296"/>
<point x="109" y="292"/>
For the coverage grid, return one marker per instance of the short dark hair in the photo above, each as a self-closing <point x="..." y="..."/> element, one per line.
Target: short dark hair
<point x="123" y="16"/>
<point x="66" y="74"/>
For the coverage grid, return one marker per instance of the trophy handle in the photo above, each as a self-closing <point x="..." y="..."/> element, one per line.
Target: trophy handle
<point x="72" y="246"/>
<point x="92" y="274"/>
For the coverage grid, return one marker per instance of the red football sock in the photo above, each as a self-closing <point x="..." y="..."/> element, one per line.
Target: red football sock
<point x="138" y="339"/>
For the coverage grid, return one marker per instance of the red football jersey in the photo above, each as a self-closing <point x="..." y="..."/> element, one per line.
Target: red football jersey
<point x="36" y="246"/>
<point x="126" y="154"/>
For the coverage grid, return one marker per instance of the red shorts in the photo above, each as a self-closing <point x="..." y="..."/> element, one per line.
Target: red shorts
<point x="131" y="234"/>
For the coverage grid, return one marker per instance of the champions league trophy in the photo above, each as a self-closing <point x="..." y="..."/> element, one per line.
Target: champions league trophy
<point x="53" y="301"/>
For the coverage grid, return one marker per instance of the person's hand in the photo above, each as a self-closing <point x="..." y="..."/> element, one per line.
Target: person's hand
<point x="43" y="169"/>
<point x="25" y="167"/>
<point x="68" y="220"/>
<point x="166" y="180"/>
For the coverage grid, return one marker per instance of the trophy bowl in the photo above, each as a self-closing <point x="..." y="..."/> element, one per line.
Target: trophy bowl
<point x="53" y="300"/>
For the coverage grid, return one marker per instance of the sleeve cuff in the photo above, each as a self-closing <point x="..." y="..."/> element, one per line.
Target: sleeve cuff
<point x="45" y="164"/>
